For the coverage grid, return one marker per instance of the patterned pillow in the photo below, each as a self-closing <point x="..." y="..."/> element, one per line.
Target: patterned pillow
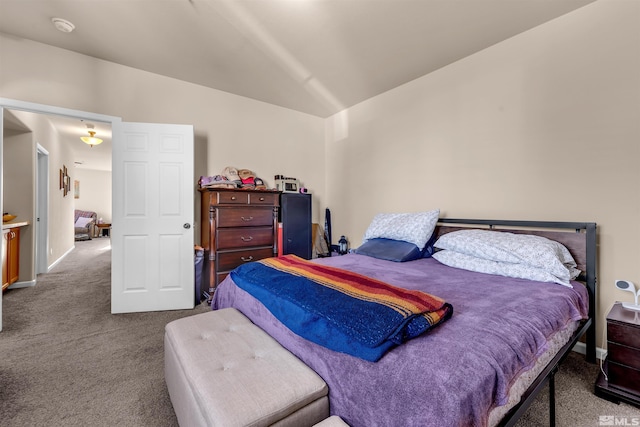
<point x="415" y="228"/>
<point x="534" y="251"/>
<point x="82" y="222"/>
<point x="519" y="271"/>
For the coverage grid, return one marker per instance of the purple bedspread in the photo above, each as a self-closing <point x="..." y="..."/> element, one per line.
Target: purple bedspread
<point x="451" y="376"/>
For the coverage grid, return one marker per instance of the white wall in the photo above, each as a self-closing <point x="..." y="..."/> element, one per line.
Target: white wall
<point x="230" y="130"/>
<point x="95" y="191"/>
<point x="18" y="169"/>
<point x="543" y="126"/>
<point x="60" y="207"/>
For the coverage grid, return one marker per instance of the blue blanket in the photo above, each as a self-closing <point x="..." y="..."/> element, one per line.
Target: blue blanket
<point x="339" y="309"/>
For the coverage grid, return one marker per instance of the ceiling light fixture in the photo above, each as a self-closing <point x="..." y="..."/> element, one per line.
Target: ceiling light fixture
<point x="63" y="25"/>
<point x="91" y="139"/>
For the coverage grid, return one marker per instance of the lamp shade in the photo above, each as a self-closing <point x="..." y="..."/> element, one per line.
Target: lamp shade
<point x="91" y="140"/>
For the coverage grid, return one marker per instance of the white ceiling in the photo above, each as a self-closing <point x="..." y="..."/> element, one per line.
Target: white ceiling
<point x="314" y="56"/>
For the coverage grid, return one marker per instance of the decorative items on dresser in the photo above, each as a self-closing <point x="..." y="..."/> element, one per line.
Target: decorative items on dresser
<point x="237" y="226"/>
<point x="295" y="216"/>
<point x="620" y="380"/>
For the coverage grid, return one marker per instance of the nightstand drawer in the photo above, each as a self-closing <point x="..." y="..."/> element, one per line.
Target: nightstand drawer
<point x="624" y="355"/>
<point x="230" y="260"/>
<point x="624" y="377"/>
<point x="623" y="333"/>
<point x="245" y="237"/>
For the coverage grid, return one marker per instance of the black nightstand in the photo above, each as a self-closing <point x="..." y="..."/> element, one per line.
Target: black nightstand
<point x="622" y="365"/>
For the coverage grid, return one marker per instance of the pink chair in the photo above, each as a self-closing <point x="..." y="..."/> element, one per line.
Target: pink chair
<point x="84" y="224"/>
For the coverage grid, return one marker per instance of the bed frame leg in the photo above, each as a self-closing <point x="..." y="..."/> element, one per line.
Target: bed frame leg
<point x="552" y="397"/>
<point x="591" y="344"/>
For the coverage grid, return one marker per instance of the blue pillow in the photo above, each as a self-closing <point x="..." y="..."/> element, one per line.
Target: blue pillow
<point x="428" y="248"/>
<point x="391" y="250"/>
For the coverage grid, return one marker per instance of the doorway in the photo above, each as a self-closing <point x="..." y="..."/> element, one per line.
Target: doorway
<point x="42" y="174"/>
<point x="143" y="151"/>
<point x="42" y="210"/>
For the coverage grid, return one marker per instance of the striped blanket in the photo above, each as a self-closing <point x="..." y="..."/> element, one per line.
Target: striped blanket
<point x="339" y="309"/>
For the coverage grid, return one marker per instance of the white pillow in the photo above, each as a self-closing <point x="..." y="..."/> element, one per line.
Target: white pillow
<point x="519" y="271"/>
<point x="415" y="228"/>
<point x="535" y="251"/>
<point x="83" y="221"/>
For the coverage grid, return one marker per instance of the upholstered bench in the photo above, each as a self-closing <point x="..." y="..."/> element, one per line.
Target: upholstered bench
<point x="222" y="370"/>
<point x="332" y="421"/>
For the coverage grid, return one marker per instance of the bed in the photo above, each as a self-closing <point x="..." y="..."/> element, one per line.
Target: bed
<point x="484" y="365"/>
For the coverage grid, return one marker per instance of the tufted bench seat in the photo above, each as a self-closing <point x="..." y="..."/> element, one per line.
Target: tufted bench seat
<point x="332" y="421"/>
<point x="222" y="370"/>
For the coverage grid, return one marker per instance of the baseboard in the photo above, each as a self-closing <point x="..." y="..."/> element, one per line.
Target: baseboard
<point x="25" y="284"/>
<point x="581" y="348"/>
<point x="60" y="259"/>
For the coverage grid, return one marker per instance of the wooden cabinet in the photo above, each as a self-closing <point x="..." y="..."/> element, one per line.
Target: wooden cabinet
<point x="5" y="259"/>
<point x="237" y="226"/>
<point x="622" y="366"/>
<point x="623" y="343"/>
<point x="10" y="256"/>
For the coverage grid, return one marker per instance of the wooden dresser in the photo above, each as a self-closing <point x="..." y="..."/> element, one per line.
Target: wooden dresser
<point x="237" y="226"/>
<point x="623" y="357"/>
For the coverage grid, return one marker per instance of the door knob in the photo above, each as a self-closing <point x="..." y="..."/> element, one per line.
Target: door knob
<point x="187" y="225"/>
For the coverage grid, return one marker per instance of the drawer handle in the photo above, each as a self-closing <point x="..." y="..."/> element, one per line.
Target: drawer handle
<point x="246" y="219"/>
<point x="246" y="239"/>
<point x="246" y="259"/>
<point x="262" y="199"/>
<point x="233" y="197"/>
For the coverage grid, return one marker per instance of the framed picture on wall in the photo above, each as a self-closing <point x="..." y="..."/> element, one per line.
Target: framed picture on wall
<point x="76" y="189"/>
<point x="65" y="181"/>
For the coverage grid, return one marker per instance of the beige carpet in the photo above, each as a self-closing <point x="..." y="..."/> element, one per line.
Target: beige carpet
<point x="66" y="361"/>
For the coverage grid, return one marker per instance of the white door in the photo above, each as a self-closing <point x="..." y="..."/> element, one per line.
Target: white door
<point x="152" y="259"/>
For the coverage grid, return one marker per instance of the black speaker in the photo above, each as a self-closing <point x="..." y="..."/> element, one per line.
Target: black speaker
<point x="295" y="216"/>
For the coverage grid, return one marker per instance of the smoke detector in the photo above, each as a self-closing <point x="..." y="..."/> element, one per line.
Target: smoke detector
<point x="63" y="25"/>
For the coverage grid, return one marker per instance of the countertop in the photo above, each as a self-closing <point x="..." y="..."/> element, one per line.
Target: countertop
<point x="14" y="224"/>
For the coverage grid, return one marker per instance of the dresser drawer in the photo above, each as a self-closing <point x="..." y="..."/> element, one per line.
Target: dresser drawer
<point x="229" y="260"/>
<point x="624" y="334"/>
<point x="624" y="377"/>
<point x="230" y="238"/>
<point x="624" y="355"/>
<point x="244" y="217"/>
<point x="232" y="197"/>
<point x="270" y="199"/>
